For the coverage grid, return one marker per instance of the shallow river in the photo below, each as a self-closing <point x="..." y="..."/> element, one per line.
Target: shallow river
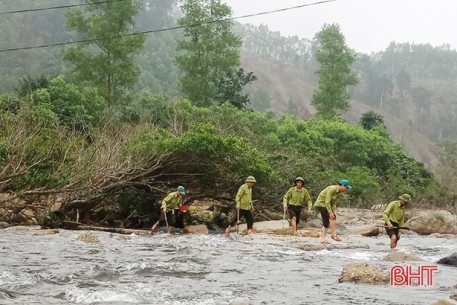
<point x="206" y="269"/>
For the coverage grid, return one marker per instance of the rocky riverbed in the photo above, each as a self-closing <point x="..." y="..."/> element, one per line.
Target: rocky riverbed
<point x="88" y="267"/>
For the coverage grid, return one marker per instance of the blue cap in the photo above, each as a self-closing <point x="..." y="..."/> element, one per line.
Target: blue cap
<point x="181" y="190"/>
<point x="346" y="183"/>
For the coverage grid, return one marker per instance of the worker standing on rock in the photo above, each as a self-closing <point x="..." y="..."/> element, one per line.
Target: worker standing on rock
<point x="294" y="201"/>
<point x="244" y="206"/>
<point x="395" y="217"/>
<point x="325" y="203"/>
<point x="170" y="204"/>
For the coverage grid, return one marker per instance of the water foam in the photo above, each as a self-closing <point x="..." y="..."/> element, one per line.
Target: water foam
<point x="86" y="297"/>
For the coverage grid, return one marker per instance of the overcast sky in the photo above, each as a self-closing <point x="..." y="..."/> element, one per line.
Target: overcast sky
<point x="368" y="25"/>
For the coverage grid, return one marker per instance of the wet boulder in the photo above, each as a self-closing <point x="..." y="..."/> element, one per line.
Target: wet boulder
<point x="366" y="230"/>
<point x="428" y="223"/>
<point x="364" y="273"/>
<point x="450" y="260"/>
<point x="195" y="229"/>
<point x="401" y="257"/>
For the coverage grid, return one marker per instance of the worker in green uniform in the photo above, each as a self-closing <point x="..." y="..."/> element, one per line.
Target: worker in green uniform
<point x="395" y="217"/>
<point x="325" y="203"/>
<point x="244" y="206"/>
<point x="170" y="206"/>
<point x="294" y="201"/>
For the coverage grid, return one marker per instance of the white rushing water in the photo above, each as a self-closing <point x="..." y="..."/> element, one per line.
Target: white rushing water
<point x="204" y="270"/>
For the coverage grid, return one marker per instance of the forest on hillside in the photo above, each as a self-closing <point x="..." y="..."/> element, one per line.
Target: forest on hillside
<point x="113" y="124"/>
<point x="413" y="81"/>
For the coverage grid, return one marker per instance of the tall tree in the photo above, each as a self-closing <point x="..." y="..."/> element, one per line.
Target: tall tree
<point x="371" y="119"/>
<point x="106" y="59"/>
<point x="210" y="54"/>
<point x="335" y="73"/>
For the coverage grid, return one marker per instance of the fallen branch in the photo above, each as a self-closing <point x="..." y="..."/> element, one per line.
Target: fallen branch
<point x="79" y="226"/>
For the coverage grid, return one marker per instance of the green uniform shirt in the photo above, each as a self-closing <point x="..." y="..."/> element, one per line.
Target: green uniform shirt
<point x="327" y="198"/>
<point x="395" y="212"/>
<point x="172" y="201"/>
<point x="297" y="197"/>
<point x="244" y="197"/>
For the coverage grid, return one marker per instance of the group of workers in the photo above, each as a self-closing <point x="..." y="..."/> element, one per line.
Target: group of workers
<point x="295" y="200"/>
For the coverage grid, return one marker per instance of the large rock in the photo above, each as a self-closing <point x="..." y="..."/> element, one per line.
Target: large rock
<point x="450" y="260"/>
<point x="4" y="224"/>
<point x="401" y="257"/>
<point x="364" y="273"/>
<point x="266" y="226"/>
<point x="442" y="222"/>
<point x="196" y="229"/>
<point x="454" y="296"/>
<point x="366" y="230"/>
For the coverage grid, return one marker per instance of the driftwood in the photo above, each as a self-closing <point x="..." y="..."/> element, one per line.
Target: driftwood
<point x="80" y="226"/>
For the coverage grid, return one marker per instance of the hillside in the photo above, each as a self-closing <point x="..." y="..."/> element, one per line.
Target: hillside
<point x="284" y="84"/>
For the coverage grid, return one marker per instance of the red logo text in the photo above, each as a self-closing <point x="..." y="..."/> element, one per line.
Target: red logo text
<point x="409" y="275"/>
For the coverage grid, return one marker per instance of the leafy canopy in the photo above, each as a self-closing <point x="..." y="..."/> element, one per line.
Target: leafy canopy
<point x="335" y="73"/>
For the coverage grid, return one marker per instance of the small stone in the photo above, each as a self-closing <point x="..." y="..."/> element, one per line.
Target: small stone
<point x="4" y="224"/>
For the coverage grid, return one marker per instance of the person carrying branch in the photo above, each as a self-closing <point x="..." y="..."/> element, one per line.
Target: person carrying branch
<point x="244" y="206"/>
<point x="170" y="204"/>
<point x="294" y="200"/>
<point x="395" y="217"/>
<point x="325" y="203"/>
